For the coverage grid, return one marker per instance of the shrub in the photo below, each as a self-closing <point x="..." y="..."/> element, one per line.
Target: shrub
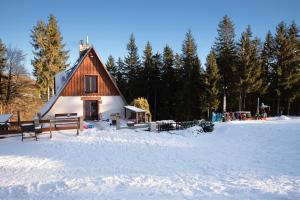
<point x="142" y="103"/>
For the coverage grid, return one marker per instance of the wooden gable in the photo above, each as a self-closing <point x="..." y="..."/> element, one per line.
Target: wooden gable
<point x="91" y="65"/>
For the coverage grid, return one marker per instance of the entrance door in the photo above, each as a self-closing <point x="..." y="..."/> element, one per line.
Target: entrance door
<point x="91" y="110"/>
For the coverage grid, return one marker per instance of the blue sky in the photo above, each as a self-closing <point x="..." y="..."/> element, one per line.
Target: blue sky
<point x="108" y="24"/>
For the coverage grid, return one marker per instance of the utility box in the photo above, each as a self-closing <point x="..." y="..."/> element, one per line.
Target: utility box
<point x="118" y="123"/>
<point x="152" y="126"/>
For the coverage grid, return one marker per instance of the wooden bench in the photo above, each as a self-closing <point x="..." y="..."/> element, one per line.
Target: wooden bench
<point x="65" y="115"/>
<point x="65" y="121"/>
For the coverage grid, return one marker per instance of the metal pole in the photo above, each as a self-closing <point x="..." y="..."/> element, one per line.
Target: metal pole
<point x="257" y="110"/>
<point x="224" y="103"/>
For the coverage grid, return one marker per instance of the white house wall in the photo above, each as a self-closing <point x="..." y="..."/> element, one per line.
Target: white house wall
<point x="111" y="104"/>
<point x="74" y="104"/>
<point x="66" y="104"/>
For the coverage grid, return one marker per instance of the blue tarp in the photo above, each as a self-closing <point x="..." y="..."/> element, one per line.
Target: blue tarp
<point x="216" y="117"/>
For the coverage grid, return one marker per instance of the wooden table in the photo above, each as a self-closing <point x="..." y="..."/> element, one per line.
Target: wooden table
<point x="30" y="128"/>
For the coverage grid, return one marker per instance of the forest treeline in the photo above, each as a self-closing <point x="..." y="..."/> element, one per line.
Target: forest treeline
<point x="243" y="68"/>
<point x="176" y="84"/>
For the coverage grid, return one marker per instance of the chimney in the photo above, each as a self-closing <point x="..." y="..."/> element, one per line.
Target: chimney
<point x="83" y="46"/>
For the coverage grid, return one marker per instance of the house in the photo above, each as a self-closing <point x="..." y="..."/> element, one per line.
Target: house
<point x="86" y="89"/>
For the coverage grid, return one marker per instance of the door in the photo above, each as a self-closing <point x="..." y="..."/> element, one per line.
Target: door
<point x="91" y="110"/>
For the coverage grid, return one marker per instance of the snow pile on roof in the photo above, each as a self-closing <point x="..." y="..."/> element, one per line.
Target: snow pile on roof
<point x="48" y="105"/>
<point x="60" y="79"/>
<point x="236" y="161"/>
<point x="134" y="109"/>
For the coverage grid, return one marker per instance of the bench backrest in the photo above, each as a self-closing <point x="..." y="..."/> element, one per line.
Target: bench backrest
<point x="65" y="114"/>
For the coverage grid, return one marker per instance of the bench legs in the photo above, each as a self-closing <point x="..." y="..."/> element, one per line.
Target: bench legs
<point x="35" y="136"/>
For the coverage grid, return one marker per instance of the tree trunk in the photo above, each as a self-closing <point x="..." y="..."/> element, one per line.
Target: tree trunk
<point x="278" y="105"/>
<point x="48" y="93"/>
<point x="244" y="102"/>
<point x="8" y="92"/>
<point x="288" y="107"/>
<point x="208" y="113"/>
<point x="52" y="91"/>
<point x="240" y="101"/>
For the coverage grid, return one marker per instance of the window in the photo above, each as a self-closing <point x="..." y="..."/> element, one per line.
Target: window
<point x="91" y="84"/>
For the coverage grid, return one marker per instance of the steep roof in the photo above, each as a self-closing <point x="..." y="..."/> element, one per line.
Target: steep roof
<point x="69" y="74"/>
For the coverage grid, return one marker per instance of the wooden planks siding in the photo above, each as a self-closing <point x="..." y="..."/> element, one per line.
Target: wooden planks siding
<point x="91" y="65"/>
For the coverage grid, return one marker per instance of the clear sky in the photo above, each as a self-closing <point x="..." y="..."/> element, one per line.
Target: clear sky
<point x="108" y="24"/>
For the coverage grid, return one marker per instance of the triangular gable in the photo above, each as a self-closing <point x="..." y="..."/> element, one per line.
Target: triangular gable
<point x="71" y="73"/>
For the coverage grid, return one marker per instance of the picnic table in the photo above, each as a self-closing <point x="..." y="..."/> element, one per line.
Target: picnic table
<point x="4" y="121"/>
<point x="65" y="121"/>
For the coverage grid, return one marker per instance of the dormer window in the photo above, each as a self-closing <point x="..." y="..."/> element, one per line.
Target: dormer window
<point x="91" y="84"/>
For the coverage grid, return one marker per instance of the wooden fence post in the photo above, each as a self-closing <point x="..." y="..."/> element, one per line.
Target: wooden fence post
<point x="19" y="117"/>
<point x="81" y="123"/>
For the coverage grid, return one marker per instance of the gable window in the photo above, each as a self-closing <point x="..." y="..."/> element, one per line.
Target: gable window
<point x="91" y="84"/>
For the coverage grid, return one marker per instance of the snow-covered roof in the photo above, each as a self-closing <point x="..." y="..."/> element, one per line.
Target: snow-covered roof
<point x="4" y="118"/>
<point x="134" y="109"/>
<point x="48" y="105"/>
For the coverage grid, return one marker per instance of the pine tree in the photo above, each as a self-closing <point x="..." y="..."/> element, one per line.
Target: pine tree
<point x="283" y="53"/>
<point x="50" y="56"/>
<point x="268" y="74"/>
<point x="2" y="68"/>
<point x="57" y="56"/>
<point x="132" y="67"/>
<point x="155" y="85"/>
<point x="191" y="80"/>
<point x="249" y="67"/>
<point x="146" y="71"/>
<point x="291" y="82"/>
<point x="2" y="57"/>
<point x="121" y="76"/>
<point x="212" y="81"/>
<point x="226" y="56"/>
<point x="40" y="68"/>
<point x="111" y="66"/>
<point x="168" y="85"/>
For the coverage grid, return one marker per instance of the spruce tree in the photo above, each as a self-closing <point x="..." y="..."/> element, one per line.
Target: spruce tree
<point x="132" y="67"/>
<point x="226" y="56"/>
<point x="50" y="56"/>
<point x="40" y="68"/>
<point x="212" y="81"/>
<point x="191" y="80"/>
<point x="291" y="82"/>
<point x="268" y="73"/>
<point x="282" y="56"/>
<point x="2" y="68"/>
<point x="155" y="85"/>
<point x="121" y="76"/>
<point x="111" y="66"/>
<point x="249" y="67"/>
<point x="178" y="97"/>
<point x="168" y="85"/>
<point x="146" y="71"/>
<point x="2" y="57"/>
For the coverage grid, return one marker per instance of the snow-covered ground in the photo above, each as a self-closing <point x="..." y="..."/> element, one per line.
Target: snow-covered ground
<point x="239" y="160"/>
